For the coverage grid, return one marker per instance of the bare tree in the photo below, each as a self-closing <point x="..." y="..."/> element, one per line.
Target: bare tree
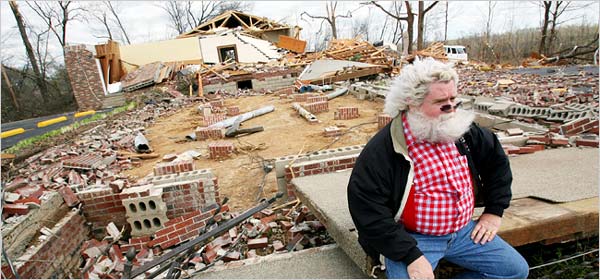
<point x="56" y="16"/>
<point x="331" y="17"/>
<point x="39" y="78"/>
<point x="546" y="5"/>
<point x="186" y="15"/>
<point x="421" y="22"/>
<point x="113" y="11"/>
<point x="395" y="13"/>
<point x="554" y="16"/>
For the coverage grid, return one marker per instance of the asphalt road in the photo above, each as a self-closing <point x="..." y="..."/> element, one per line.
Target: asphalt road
<point x="31" y="129"/>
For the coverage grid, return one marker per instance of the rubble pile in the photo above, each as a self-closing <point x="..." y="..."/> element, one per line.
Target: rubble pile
<point x="284" y="228"/>
<point x="96" y="159"/>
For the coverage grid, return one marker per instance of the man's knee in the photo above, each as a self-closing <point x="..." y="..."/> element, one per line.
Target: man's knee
<point x="518" y="268"/>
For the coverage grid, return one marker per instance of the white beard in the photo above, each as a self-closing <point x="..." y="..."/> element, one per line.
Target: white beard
<point x="446" y="128"/>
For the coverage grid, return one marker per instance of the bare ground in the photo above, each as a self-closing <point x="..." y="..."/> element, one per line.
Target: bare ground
<point x="285" y="133"/>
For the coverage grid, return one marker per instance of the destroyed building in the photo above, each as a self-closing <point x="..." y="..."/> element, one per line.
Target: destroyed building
<point x="265" y="121"/>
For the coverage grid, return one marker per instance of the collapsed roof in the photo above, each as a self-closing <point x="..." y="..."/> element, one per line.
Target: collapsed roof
<point x="260" y="27"/>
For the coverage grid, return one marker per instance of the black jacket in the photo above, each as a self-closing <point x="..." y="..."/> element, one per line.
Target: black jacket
<point x="379" y="183"/>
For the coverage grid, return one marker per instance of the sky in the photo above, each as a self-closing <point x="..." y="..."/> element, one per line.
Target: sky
<point x="145" y="21"/>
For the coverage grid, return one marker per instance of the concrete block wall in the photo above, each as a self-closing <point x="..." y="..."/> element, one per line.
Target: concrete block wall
<point x="146" y="214"/>
<point x="182" y="228"/>
<point x="100" y="206"/>
<point x="346" y="113"/>
<point x="59" y="255"/>
<point x="282" y="163"/>
<point x="270" y="83"/>
<point x="317" y="107"/>
<point x="230" y="87"/>
<point x="84" y="77"/>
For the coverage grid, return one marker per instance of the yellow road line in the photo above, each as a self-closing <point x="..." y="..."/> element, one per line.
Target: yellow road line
<point x="81" y="114"/>
<point x="12" y="132"/>
<point x="52" y="121"/>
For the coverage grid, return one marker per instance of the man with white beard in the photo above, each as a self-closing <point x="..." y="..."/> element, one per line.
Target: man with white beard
<point x="414" y="186"/>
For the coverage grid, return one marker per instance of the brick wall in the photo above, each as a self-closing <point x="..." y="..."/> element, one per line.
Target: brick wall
<point x="233" y="111"/>
<point x="217" y="103"/>
<point x="203" y="133"/>
<point x="101" y="206"/>
<point x="220" y="149"/>
<point x="316" y="167"/>
<point x="214" y="118"/>
<point x="58" y="256"/>
<point x="300" y="98"/>
<point x="318" y="98"/>
<point x="185" y="197"/>
<point x="182" y="228"/>
<point x="84" y="77"/>
<point x="317" y="107"/>
<point x="346" y="113"/>
<point x="578" y="126"/>
<point x="165" y="168"/>
<point x="383" y="120"/>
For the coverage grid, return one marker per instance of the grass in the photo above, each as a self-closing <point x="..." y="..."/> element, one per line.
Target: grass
<point x="29" y="142"/>
<point x="585" y="266"/>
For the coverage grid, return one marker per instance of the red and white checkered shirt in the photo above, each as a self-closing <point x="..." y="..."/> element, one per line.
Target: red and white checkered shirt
<point x="441" y="200"/>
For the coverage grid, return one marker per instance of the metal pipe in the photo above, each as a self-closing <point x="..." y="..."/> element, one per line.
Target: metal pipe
<point x="306" y="114"/>
<point x="336" y="93"/>
<point x="244" y="117"/>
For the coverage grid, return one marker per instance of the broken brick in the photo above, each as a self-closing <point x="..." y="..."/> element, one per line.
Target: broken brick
<point x="258" y="243"/>
<point x="69" y="196"/>
<point x="15" y="209"/>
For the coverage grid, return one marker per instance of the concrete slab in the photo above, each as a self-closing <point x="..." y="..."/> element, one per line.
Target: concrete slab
<point x="326" y="262"/>
<point x="558" y="175"/>
<point x="527" y="220"/>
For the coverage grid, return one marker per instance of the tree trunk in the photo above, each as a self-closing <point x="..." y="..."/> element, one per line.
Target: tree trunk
<point x="420" y="27"/>
<point x="542" y="46"/>
<point x="410" y="20"/>
<point x="40" y="80"/>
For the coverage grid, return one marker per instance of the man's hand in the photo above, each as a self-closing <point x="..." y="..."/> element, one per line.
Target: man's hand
<point x="420" y="269"/>
<point x="486" y="228"/>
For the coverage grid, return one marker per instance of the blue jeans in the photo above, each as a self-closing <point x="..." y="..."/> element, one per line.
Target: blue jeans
<point x="495" y="259"/>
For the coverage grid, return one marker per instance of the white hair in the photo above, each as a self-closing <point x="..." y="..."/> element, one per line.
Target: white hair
<point x="412" y="85"/>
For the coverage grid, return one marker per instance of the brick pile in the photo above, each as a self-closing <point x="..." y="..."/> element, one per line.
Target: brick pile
<point x="203" y="133"/>
<point x="346" y="113"/>
<point x="220" y="149"/>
